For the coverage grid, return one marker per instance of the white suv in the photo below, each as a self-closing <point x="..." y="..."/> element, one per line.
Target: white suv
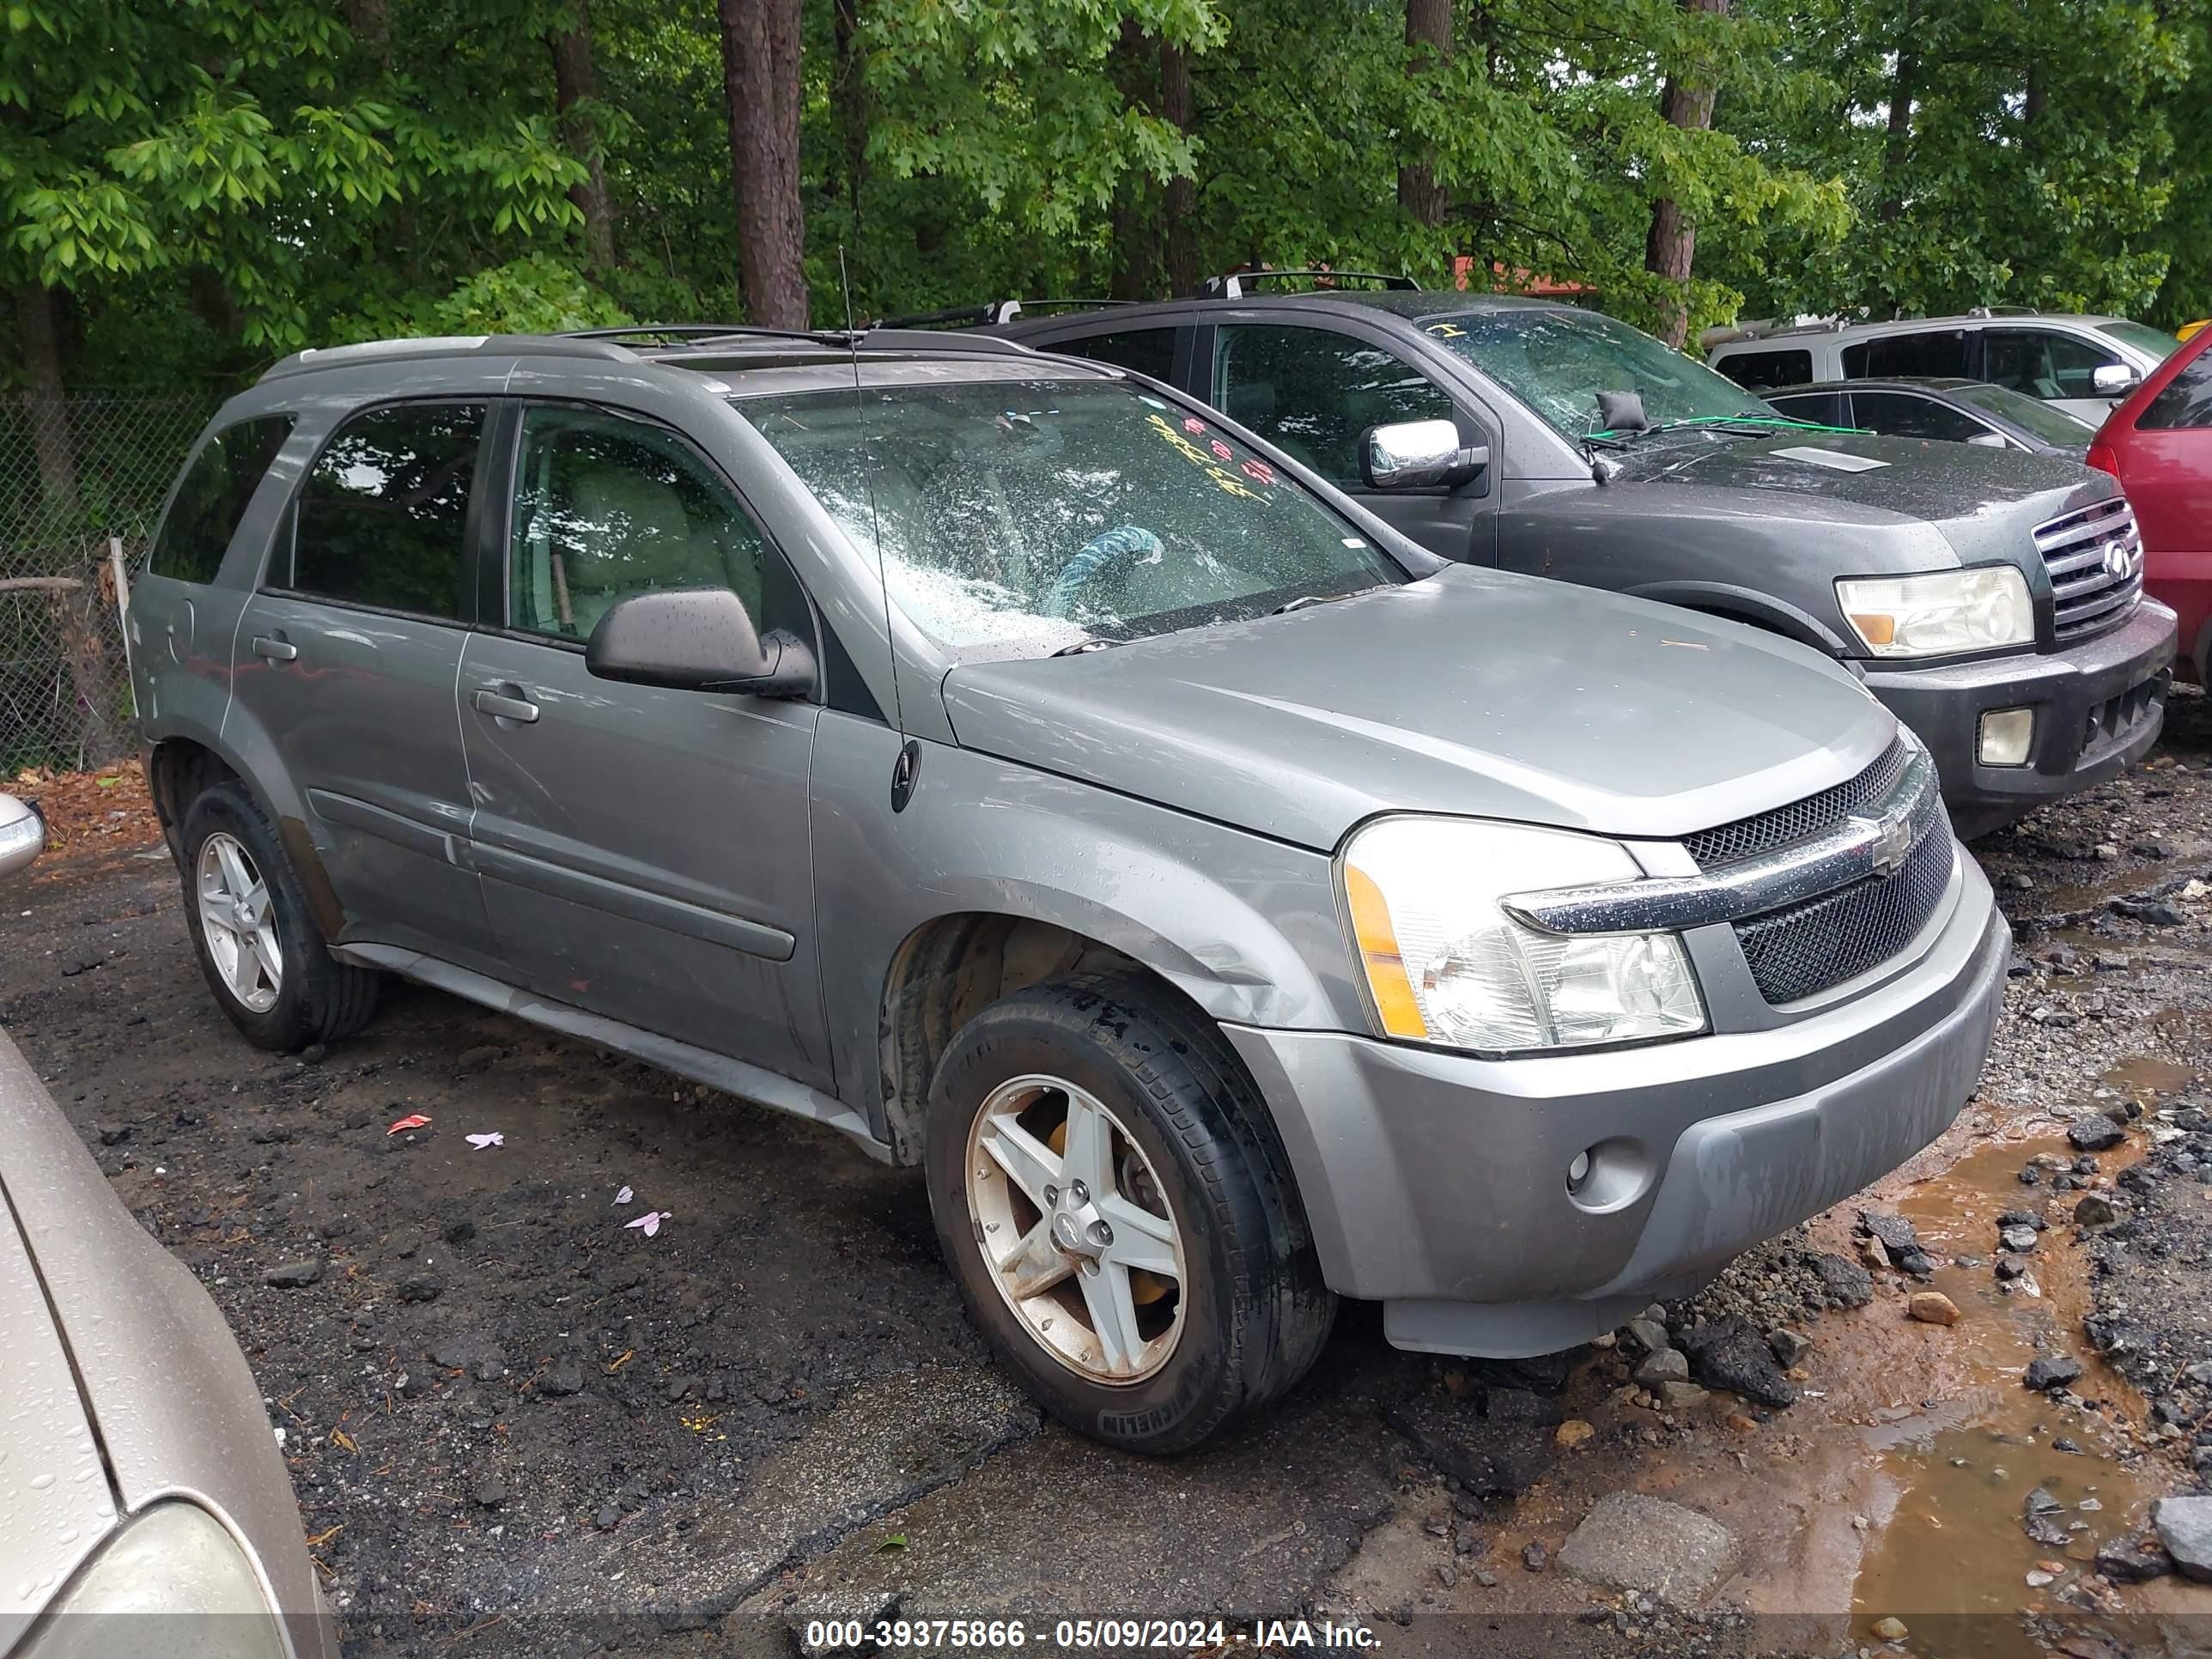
<point x="2083" y="365"/>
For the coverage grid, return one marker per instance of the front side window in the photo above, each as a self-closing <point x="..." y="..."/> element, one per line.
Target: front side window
<point x="1903" y="416"/>
<point x="606" y="508"/>
<point x="2185" y="401"/>
<point x="1930" y="352"/>
<point x="2044" y="363"/>
<point x="1760" y="371"/>
<point x="1148" y="351"/>
<point x="213" y="497"/>
<point x="1021" y="517"/>
<point x="384" y="516"/>
<point x="1313" y="393"/>
<point x="1556" y="360"/>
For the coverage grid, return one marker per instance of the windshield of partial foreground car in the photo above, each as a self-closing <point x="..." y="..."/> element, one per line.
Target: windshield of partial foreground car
<point x="1556" y="360"/>
<point x="2156" y="342"/>
<point x="2053" y="426"/>
<point x="1023" y="517"/>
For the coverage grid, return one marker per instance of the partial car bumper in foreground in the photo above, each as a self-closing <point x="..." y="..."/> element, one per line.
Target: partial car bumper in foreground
<point x="2098" y="705"/>
<point x="1437" y="1183"/>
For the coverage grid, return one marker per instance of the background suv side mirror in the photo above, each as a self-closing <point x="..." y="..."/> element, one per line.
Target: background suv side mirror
<point x="1418" y="455"/>
<point x="696" y="639"/>
<point x="2112" y="380"/>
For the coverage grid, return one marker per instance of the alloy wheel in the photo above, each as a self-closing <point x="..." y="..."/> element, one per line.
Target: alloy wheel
<point x="238" y="920"/>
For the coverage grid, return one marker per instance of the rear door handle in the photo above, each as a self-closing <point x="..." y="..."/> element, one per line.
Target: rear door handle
<point x="501" y="707"/>
<point x="274" y="650"/>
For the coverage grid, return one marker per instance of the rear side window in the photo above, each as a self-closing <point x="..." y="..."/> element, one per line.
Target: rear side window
<point x="1148" y="351"/>
<point x="2185" y="401"/>
<point x="1825" y="408"/>
<point x="213" y="498"/>
<point x="1759" y="370"/>
<point x="1938" y="351"/>
<point x="383" y="518"/>
<point x="1902" y="416"/>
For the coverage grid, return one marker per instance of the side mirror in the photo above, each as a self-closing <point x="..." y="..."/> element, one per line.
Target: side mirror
<point x="1418" y="455"/>
<point x="1987" y="441"/>
<point x="696" y="639"/>
<point x="2114" y="379"/>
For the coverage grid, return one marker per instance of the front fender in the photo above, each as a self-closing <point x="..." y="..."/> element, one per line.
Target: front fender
<point x="1745" y="605"/>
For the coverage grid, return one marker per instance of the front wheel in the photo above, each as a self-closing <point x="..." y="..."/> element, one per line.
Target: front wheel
<point x="1120" y="1215"/>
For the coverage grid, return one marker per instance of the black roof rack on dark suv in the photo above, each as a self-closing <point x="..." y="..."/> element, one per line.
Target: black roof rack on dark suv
<point x="1233" y="284"/>
<point x="991" y="313"/>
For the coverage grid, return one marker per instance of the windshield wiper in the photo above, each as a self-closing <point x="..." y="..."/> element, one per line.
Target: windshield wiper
<point x="1082" y="646"/>
<point x="1304" y="601"/>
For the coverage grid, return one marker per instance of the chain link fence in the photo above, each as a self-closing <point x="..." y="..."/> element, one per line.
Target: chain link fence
<point x="82" y="480"/>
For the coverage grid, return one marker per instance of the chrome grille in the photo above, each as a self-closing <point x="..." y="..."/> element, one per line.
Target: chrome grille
<point x="1749" y="837"/>
<point x="1807" y="948"/>
<point x="2095" y="555"/>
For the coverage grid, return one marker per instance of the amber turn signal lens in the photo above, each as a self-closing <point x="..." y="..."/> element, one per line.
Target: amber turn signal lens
<point x="1378" y="951"/>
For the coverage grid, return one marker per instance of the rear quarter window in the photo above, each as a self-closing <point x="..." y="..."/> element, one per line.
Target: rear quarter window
<point x="1148" y="351"/>
<point x="2185" y="402"/>
<point x="213" y="497"/>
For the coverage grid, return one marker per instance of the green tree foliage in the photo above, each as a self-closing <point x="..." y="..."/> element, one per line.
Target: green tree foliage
<point x="195" y="186"/>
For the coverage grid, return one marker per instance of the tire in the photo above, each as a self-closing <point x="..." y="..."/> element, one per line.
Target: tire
<point x="316" y="999"/>
<point x="1251" y="1312"/>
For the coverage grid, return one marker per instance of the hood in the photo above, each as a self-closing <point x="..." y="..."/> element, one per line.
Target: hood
<point x="1471" y="692"/>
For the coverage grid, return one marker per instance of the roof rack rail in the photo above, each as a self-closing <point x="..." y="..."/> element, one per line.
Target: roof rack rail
<point x="446" y="345"/>
<point x="680" y="333"/>
<point x="1232" y="285"/>
<point x="991" y="313"/>
<point x="2003" y="311"/>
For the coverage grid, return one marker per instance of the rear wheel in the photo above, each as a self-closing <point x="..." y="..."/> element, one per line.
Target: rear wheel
<point x="258" y="947"/>
<point x="1120" y="1215"/>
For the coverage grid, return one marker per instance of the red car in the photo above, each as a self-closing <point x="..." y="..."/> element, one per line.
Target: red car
<point x="2159" y="445"/>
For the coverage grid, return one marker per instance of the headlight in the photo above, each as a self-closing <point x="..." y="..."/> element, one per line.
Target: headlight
<point x="1445" y="964"/>
<point x="173" y="1580"/>
<point x="1939" y="615"/>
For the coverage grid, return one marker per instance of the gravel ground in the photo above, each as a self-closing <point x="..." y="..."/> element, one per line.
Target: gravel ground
<point x="519" y="1426"/>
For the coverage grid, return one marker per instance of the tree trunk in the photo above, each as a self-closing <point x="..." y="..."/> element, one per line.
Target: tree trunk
<point x="1181" y="241"/>
<point x="1131" y="238"/>
<point x="76" y="613"/>
<point x="37" y="333"/>
<point x="1428" y="45"/>
<point x="849" y="92"/>
<point x="572" y="85"/>
<point x="760" y="82"/>
<point x="1897" y="148"/>
<point x="371" y="23"/>
<point x="1672" y="243"/>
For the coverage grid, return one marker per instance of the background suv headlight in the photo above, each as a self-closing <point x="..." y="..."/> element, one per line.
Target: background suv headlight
<point x="1939" y="615"/>
<point x="1445" y="964"/>
<point x="171" y="1582"/>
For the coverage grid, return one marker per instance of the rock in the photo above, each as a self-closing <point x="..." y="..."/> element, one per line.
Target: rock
<point x="1649" y="1334"/>
<point x="2153" y="849"/>
<point x="1573" y="1432"/>
<point x="2051" y="1372"/>
<point x="490" y="1492"/>
<point x="314" y="1053"/>
<point x="2185" y="1527"/>
<point x="1844" y="1284"/>
<point x="403" y="1241"/>
<point x="1668" y="1365"/>
<point x="2041" y="1501"/>
<point x="294" y="1275"/>
<point x="2094" y="1211"/>
<point x="1874" y="1254"/>
<point x="2039" y="1578"/>
<point x="1535" y="1556"/>
<point x="1788" y="1347"/>
<point x="1890" y="1630"/>
<point x="2105" y="852"/>
<point x="2132" y="1561"/>
<point x="112" y="1134"/>
<point x="562" y="1378"/>
<point x="420" y="1287"/>
<point x="1895" y="1232"/>
<point x="469" y="1351"/>
<point x="1730" y="1355"/>
<point x="1631" y="1542"/>
<point x="1681" y="1396"/>
<point x="476" y="1059"/>
<point x="608" y="1518"/>
<point x="2095" y="1134"/>
<point x="2010" y="1267"/>
<point x="1489" y="1457"/>
<point x="2157" y="912"/>
<point x="2018" y="1240"/>
<point x="459" y="1230"/>
<point x="1932" y="1308"/>
<point x="1918" y="1263"/>
<point x="2022" y="1219"/>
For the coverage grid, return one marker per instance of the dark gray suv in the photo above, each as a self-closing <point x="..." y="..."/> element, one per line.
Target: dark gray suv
<point x="1025" y="772"/>
<point x="1992" y="600"/>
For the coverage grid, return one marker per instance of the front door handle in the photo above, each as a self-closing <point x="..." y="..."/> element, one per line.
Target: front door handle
<point x="502" y="707"/>
<point x="274" y="650"/>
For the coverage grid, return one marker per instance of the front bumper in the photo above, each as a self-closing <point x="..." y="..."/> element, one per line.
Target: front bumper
<point x="2099" y="706"/>
<point x="1435" y="1183"/>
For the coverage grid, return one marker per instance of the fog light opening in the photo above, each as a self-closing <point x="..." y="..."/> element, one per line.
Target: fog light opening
<point x="2004" y="737"/>
<point x="1579" y="1172"/>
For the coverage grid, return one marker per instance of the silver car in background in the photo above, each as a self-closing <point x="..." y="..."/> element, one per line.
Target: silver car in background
<point x="144" y="1508"/>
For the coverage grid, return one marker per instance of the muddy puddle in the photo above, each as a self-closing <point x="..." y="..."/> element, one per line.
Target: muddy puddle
<point x="1967" y="1463"/>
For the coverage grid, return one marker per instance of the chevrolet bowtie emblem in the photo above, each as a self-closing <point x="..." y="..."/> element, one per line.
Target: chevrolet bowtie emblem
<point x="1892" y="842"/>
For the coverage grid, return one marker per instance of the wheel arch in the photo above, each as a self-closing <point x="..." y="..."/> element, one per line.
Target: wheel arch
<point x="182" y="763"/>
<point x="1756" y="610"/>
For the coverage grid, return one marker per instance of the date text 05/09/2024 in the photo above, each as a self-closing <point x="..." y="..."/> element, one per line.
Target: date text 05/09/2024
<point x="988" y="1636"/>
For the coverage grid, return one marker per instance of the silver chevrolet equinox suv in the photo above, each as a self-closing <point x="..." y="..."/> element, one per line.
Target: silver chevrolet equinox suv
<point x="1031" y="775"/>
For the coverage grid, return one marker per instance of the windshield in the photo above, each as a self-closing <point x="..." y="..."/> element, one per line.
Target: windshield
<point x="1020" y="517"/>
<point x="2052" y="424"/>
<point x="1557" y="361"/>
<point x="2143" y="337"/>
